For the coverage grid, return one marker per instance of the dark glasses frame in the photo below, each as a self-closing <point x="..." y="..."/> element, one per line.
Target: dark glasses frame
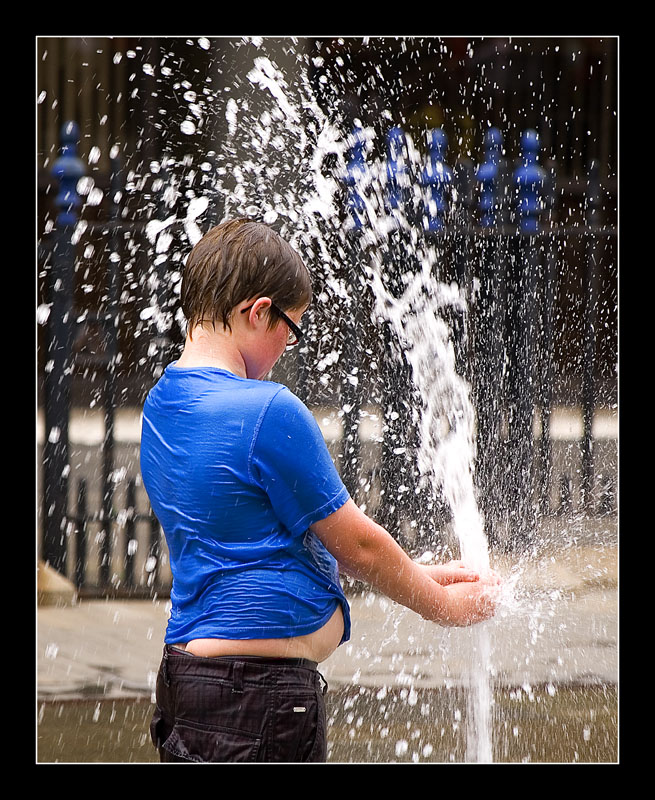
<point x="293" y="328"/>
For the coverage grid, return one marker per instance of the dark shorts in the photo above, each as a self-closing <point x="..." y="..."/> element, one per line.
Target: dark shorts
<point x="238" y="709"/>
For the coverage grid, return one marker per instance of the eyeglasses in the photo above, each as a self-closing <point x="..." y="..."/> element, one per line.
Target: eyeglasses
<point x="295" y="334"/>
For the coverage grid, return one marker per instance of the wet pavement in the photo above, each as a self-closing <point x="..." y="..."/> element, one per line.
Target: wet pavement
<point x="557" y="625"/>
<point x="399" y="689"/>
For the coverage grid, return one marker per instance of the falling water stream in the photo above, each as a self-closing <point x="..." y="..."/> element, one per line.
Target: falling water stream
<point x="446" y="453"/>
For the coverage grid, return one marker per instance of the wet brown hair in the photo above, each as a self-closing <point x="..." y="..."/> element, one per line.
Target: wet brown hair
<point x="238" y="260"/>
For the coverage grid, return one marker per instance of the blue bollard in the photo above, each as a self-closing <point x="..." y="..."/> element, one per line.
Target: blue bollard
<point x="436" y="180"/>
<point x="68" y="169"/>
<point x="398" y="178"/>
<point x="529" y="180"/>
<point x="489" y="176"/>
<point x="355" y="178"/>
<point x="356" y="173"/>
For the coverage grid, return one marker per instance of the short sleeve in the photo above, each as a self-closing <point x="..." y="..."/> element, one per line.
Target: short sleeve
<point x="290" y="461"/>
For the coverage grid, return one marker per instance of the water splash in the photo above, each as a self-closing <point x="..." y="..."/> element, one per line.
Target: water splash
<point x="447" y="449"/>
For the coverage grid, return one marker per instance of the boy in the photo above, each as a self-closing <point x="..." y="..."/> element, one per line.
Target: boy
<point x="257" y="519"/>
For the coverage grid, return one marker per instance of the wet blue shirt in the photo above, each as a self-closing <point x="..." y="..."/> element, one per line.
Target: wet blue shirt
<point x="236" y="471"/>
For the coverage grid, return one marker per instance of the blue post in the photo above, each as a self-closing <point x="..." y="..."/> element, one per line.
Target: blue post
<point x="591" y="286"/>
<point x="398" y="178"/>
<point x="355" y="179"/>
<point x="491" y="341"/>
<point x="398" y="257"/>
<point x="355" y="175"/>
<point x="110" y="336"/>
<point x="522" y="296"/>
<point x="489" y="177"/>
<point x="546" y="336"/>
<point x="67" y="169"/>
<point x="529" y="180"/>
<point x="436" y="179"/>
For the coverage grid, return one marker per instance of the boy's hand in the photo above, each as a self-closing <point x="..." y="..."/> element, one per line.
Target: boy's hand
<point x="457" y="572"/>
<point x="472" y="602"/>
<point x="451" y="572"/>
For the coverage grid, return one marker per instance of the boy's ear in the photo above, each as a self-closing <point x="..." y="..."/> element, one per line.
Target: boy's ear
<point x="258" y="310"/>
<point x="261" y="307"/>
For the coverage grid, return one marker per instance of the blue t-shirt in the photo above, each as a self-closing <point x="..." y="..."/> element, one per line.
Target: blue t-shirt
<point x="236" y="471"/>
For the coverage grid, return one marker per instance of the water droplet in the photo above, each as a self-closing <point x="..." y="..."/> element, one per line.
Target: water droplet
<point x="51" y="650"/>
<point x="402" y="746"/>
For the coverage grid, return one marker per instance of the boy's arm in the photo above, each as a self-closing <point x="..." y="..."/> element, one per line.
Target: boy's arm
<point x="368" y="552"/>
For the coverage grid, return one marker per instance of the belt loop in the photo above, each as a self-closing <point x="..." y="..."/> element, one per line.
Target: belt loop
<point x="164" y="667"/>
<point x="237" y="676"/>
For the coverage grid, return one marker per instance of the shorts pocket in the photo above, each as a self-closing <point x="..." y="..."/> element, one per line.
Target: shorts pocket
<point x="299" y="729"/>
<point x="190" y="742"/>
